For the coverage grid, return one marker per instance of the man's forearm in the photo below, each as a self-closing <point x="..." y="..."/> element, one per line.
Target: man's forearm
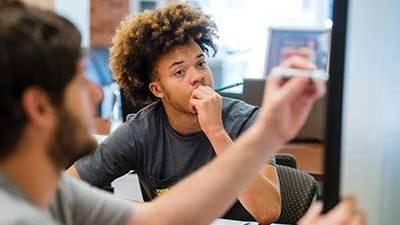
<point x="220" y="140"/>
<point x="233" y="170"/>
<point x="262" y="197"/>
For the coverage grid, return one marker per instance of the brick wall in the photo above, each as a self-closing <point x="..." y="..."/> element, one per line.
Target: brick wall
<point x="105" y="15"/>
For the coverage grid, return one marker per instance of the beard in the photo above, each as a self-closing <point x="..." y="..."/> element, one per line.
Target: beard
<point x="178" y="106"/>
<point x="71" y="141"/>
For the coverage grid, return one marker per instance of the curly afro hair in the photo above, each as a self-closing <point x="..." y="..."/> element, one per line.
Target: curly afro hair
<point x="139" y="42"/>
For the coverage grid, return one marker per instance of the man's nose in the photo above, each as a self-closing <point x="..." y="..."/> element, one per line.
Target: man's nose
<point x="197" y="79"/>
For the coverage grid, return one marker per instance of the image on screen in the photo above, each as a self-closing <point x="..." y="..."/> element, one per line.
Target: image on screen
<point x="284" y="42"/>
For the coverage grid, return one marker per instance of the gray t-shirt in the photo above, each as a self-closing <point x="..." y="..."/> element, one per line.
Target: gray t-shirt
<point x="75" y="203"/>
<point x="159" y="155"/>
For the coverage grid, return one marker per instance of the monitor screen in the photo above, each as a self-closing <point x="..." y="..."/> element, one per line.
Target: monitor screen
<point x="284" y="42"/>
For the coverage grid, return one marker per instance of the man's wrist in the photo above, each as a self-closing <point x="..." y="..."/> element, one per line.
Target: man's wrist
<point x="263" y="132"/>
<point x="219" y="138"/>
<point x="214" y="131"/>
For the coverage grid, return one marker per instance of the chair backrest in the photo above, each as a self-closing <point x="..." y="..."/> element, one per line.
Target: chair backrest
<point x="285" y="159"/>
<point x="298" y="190"/>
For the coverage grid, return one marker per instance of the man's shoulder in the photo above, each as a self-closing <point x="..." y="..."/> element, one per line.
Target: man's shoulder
<point x="143" y="122"/>
<point x="15" y="210"/>
<point x="146" y="115"/>
<point x="237" y="116"/>
<point x="235" y="107"/>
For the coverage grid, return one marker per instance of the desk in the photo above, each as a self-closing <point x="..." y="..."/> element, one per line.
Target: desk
<point x="236" y="222"/>
<point x="309" y="157"/>
<point x="232" y="222"/>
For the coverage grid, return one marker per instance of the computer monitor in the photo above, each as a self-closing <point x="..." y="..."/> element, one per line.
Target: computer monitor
<point x="283" y="42"/>
<point x="332" y="152"/>
<point x="324" y="122"/>
<point x="313" y="130"/>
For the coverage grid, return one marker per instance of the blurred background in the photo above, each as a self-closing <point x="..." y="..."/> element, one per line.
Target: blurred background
<point x="370" y="134"/>
<point x="243" y="30"/>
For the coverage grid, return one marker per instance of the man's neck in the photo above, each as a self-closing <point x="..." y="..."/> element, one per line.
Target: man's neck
<point x="33" y="174"/>
<point x="181" y="122"/>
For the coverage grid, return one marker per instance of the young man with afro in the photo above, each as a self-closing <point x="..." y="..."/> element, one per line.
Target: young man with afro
<point x="159" y="58"/>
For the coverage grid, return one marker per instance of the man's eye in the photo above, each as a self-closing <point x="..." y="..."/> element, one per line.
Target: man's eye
<point x="202" y="64"/>
<point x="179" y="73"/>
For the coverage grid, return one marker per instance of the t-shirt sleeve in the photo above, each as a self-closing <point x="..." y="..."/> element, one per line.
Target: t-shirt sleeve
<point x="26" y="220"/>
<point x="78" y="203"/>
<point x="249" y="122"/>
<point x="114" y="157"/>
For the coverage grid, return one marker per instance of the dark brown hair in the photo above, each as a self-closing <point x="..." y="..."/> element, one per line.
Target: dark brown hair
<point x="37" y="49"/>
<point x="139" y="42"/>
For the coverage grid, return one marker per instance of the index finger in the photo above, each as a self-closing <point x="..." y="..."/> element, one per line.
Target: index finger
<point x="298" y="62"/>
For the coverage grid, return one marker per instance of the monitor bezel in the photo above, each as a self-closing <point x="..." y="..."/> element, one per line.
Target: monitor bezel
<point x="333" y="134"/>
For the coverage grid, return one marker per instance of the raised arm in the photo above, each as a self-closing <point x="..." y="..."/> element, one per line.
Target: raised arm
<point x="262" y="197"/>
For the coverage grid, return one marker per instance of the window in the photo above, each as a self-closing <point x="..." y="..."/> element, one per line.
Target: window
<point x="243" y="30"/>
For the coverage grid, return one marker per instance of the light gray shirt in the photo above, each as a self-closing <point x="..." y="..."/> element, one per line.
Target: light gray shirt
<point x="75" y="203"/>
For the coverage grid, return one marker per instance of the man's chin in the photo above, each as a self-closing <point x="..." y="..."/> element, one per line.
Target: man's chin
<point x="87" y="146"/>
<point x="83" y="149"/>
<point x="71" y="146"/>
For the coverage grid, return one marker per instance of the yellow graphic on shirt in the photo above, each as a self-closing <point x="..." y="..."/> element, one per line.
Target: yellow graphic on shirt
<point x="160" y="192"/>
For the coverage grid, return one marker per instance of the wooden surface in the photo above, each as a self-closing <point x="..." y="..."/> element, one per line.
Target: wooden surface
<point x="309" y="157"/>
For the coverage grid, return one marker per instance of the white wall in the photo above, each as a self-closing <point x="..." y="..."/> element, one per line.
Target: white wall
<point x="371" y="120"/>
<point x="78" y="11"/>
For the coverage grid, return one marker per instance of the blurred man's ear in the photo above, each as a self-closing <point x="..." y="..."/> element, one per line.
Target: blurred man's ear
<point x="37" y="107"/>
<point x="156" y="89"/>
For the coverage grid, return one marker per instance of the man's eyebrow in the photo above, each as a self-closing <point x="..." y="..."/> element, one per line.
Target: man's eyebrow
<point x="181" y="61"/>
<point x="200" y="55"/>
<point x="176" y="63"/>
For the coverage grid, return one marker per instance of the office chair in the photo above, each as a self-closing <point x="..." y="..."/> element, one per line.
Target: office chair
<point x="298" y="190"/>
<point x="284" y="159"/>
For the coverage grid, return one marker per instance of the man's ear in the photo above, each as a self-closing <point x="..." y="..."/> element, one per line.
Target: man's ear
<point x="156" y="88"/>
<point x="37" y="106"/>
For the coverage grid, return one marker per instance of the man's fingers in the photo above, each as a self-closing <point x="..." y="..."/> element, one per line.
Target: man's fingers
<point x="203" y="92"/>
<point x="343" y="212"/>
<point x="298" y="62"/>
<point x="312" y="214"/>
<point x="303" y="52"/>
<point x="194" y="105"/>
<point x="359" y="219"/>
<point x="206" y="89"/>
<point x="319" y="89"/>
<point x="295" y="87"/>
<point x="315" y="90"/>
<point x="197" y="94"/>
